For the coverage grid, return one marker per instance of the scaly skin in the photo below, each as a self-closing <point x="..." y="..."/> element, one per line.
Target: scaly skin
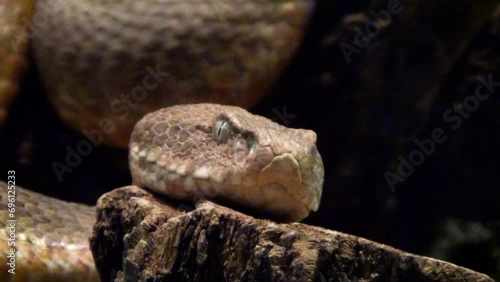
<point x="106" y="64"/>
<point x="225" y="153"/>
<point x="51" y="238"/>
<point x="186" y="152"/>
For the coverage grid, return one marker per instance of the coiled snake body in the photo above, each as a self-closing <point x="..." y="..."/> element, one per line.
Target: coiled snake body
<point x="93" y="55"/>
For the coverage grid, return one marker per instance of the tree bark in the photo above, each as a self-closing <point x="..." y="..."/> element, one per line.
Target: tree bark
<point x="138" y="237"/>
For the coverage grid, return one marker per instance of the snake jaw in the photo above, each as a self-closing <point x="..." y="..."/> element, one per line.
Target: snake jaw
<point x="225" y="153"/>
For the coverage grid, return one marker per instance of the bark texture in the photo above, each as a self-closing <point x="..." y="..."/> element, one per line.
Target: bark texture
<point x="368" y="108"/>
<point x="138" y="237"/>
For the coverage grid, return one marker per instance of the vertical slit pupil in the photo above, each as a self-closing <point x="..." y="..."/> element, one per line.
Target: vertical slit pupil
<point x="219" y="132"/>
<point x="222" y="131"/>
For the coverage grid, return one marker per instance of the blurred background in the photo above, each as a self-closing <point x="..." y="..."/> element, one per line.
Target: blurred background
<point x="372" y="79"/>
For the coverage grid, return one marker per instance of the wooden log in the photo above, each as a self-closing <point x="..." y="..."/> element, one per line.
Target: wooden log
<point x="138" y="237"/>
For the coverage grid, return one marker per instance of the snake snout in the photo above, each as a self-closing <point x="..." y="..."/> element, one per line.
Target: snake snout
<point x="312" y="172"/>
<point x="283" y="169"/>
<point x="297" y="167"/>
<point x="236" y="156"/>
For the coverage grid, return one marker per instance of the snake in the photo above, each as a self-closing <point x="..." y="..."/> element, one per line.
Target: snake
<point x="186" y="152"/>
<point x="107" y="62"/>
<point x="171" y="63"/>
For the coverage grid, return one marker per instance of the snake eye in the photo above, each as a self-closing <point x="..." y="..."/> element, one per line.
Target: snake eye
<point x="222" y="130"/>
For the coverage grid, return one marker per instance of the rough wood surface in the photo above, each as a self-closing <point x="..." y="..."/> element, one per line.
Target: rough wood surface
<point x="423" y="61"/>
<point x="140" y="238"/>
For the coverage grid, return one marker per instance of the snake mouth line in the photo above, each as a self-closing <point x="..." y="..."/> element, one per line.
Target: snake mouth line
<point x="226" y="153"/>
<point x="178" y="184"/>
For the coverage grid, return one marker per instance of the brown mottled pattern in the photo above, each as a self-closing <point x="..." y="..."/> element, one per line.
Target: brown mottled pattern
<point x="14" y="39"/>
<point x="256" y="163"/>
<point x="108" y="63"/>
<point x="51" y="238"/>
<point x="223" y="153"/>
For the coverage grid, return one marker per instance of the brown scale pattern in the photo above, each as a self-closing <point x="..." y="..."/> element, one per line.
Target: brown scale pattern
<point x="51" y="238"/>
<point x="260" y="164"/>
<point x="119" y="60"/>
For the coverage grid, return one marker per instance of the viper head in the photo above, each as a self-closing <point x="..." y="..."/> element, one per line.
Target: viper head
<point x="227" y="153"/>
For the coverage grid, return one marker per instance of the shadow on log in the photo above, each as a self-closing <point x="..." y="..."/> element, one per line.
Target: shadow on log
<point x="138" y="237"/>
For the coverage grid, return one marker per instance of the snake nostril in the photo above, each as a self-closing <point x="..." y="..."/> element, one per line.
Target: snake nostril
<point x="251" y="141"/>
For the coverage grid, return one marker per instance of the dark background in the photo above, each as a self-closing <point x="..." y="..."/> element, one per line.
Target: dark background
<point x="423" y="62"/>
